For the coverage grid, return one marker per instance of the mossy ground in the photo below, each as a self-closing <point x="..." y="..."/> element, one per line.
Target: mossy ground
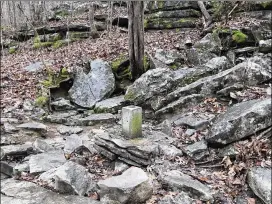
<point x="239" y="37"/>
<point x="41" y="101"/>
<point x="12" y="50"/>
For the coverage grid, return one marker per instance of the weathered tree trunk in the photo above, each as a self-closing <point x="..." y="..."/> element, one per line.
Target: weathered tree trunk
<point x="136" y="37"/>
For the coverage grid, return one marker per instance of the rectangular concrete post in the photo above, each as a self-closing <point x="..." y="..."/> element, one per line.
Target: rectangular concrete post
<point x="132" y="121"/>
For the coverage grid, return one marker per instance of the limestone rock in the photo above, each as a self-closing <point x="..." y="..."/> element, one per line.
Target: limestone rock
<point x="90" y="88"/>
<point x="6" y="169"/>
<point x="92" y="119"/>
<point x="168" y="57"/>
<point x="240" y="121"/>
<point x="136" y="152"/>
<point x="16" y="150"/>
<point x="72" y="177"/>
<point x="8" y="128"/>
<point x="170" y="23"/>
<point x="197" y="150"/>
<point x="23" y="192"/>
<point x="62" y="104"/>
<point x="210" y="43"/>
<point x="33" y="126"/>
<point x="152" y="82"/>
<point x="72" y="143"/>
<point x="259" y="180"/>
<point x="154" y="6"/>
<point x="45" y="161"/>
<point x="60" y="117"/>
<point x="42" y="146"/>
<point x="265" y="45"/>
<point x="110" y="105"/>
<point x="66" y="130"/>
<point x="251" y="72"/>
<point x="177" y="180"/>
<point x="131" y="187"/>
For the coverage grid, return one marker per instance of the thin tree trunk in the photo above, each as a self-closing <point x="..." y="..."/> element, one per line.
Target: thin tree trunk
<point x="136" y="37"/>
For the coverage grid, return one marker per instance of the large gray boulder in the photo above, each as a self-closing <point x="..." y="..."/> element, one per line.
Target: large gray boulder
<point x="73" y="178"/>
<point x="259" y="180"/>
<point x="170" y="5"/>
<point x="168" y="57"/>
<point x="133" y="186"/>
<point x="23" y="192"/>
<point x="90" y="88"/>
<point x="176" y="180"/>
<point x="240" y="121"/>
<point x="153" y="82"/>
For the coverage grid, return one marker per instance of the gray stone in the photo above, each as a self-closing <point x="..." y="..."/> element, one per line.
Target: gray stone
<point x="72" y="177"/>
<point x="120" y="166"/>
<point x="169" y="57"/>
<point x="133" y="186"/>
<point x="259" y="180"/>
<point x="16" y="150"/>
<point x="37" y="66"/>
<point x="265" y="45"/>
<point x="175" y="14"/>
<point x="252" y="72"/>
<point x="180" y="105"/>
<point x="132" y="121"/>
<point x="72" y="143"/>
<point x="190" y="132"/>
<point x="33" y="126"/>
<point x="28" y="105"/>
<point x="210" y="43"/>
<point x="153" y="6"/>
<point x="90" y="88"/>
<point x="62" y="104"/>
<point x="195" y="121"/>
<point x="6" y="169"/>
<point x="60" y="118"/>
<point x="93" y="119"/>
<point x="169" y="151"/>
<point x="136" y="151"/>
<point x="67" y="130"/>
<point x="152" y="82"/>
<point x="229" y="150"/>
<point x="45" y="161"/>
<point x="240" y="121"/>
<point x="177" y="180"/>
<point x="8" y="120"/>
<point x="9" y="128"/>
<point x="22" y="167"/>
<point x="180" y="198"/>
<point x="23" y="192"/>
<point x="197" y="150"/>
<point x="110" y="105"/>
<point x="170" y="23"/>
<point x="42" y="146"/>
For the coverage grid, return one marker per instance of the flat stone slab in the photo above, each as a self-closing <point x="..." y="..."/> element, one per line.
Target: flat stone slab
<point x="92" y="119"/>
<point x="23" y="192"/>
<point x="45" y="161"/>
<point x="16" y="150"/>
<point x="197" y="150"/>
<point x="110" y="105"/>
<point x="240" y="121"/>
<point x="33" y="126"/>
<point x="138" y="151"/>
<point x="68" y="130"/>
<point x="130" y="187"/>
<point x="177" y="180"/>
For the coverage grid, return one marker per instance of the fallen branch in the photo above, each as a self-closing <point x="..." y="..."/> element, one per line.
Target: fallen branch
<point x="208" y="18"/>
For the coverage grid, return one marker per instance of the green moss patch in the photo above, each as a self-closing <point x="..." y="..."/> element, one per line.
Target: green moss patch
<point x="41" y="101"/>
<point x="12" y="50"/>
<point x="239" y="37"/>
<point x="42" y="44"/>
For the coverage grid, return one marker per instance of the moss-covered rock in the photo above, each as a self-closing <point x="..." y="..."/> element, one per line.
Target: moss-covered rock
<point x="60" y="43"/>
<point x="42" y="44"/>
<point x="239" y="37"/>
<point x="12" y="50"/>
<point x="41" y="101"/>
<point x="170" y="23"/>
